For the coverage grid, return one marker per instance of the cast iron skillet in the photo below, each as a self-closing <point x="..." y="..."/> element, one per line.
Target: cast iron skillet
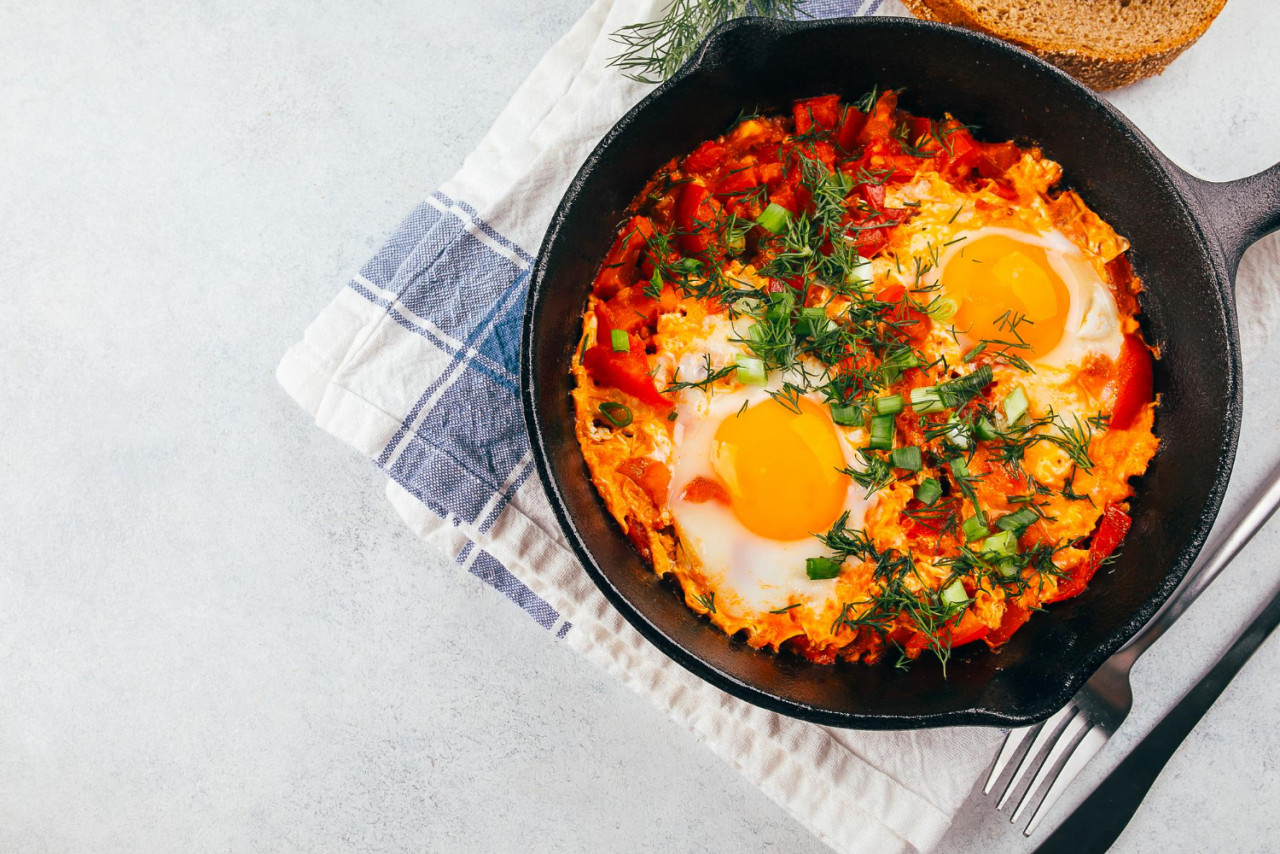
<point x="1187" y="238"/>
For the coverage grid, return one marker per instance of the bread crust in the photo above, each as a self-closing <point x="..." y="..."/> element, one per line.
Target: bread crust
<point x="1090" y="63"/>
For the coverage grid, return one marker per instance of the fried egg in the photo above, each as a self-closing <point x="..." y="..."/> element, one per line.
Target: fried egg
<point x="997" y="275"/>
<point x="755" y="474"/>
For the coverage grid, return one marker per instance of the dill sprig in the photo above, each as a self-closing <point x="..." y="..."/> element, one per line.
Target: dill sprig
<point x="875" y="474"/>
<point x="709" y="377"/>
<point x="652" y="51"/>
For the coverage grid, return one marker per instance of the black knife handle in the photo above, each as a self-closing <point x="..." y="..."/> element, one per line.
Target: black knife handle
<point x="1103" y="816"/>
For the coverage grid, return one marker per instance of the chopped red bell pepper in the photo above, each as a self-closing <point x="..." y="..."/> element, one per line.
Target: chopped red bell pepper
<point x="873" y="194"/>
<point x="997" y="158"/>
<point x="705" y="158"/>
<point x="1111" y="531"/>
<point x="822" y="151"/>
<point x="702" y="489"/>
<point x="822" y="111"/>
<point x="920" y="134"/>
<point x="928" y="522"/>
<point x="802" y="647"/>
<point x="851" y="123"/>
<point x="1015" y="615"/>
<point x="879" y="124"/>
<point x="910" y="321"/>
<point x="627" y="371"/>
<point x="650" y="475"/>
<point x="966" y="630"/>
<point x="629" y="310"/>
<point x="959" y="141"/>
<point x="619" y="267"/>
<point x="734" y="188"/>
<point x="791" y="193"/>
<point x="698" y="218"/>
<point x="1131" y="384"/>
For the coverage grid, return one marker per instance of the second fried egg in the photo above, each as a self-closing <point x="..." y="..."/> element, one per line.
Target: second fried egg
<point x="1012" y="284"/>
<point x="756" y="473"/>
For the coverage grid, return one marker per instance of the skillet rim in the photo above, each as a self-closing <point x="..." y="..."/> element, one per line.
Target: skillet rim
<point x="1181" y="187"/>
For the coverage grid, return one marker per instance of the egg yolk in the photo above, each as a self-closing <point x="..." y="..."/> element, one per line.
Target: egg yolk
<point x="997" y="279"/>
<point x="781" y="468"/>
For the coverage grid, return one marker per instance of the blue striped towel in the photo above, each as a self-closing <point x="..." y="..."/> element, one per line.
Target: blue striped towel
<point x="414" y="364"/>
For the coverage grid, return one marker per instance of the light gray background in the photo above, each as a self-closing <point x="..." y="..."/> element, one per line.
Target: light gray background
<point x="214" y="633"/>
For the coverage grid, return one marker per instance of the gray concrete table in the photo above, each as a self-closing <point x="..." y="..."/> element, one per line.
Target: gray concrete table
<point x="214" y="633"/>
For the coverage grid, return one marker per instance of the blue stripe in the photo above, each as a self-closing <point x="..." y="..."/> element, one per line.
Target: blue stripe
<point x="487" y="568"/>
<point x="483" y="226"/>
<point x="456" y="456"/>
<point x="505" y="498"/>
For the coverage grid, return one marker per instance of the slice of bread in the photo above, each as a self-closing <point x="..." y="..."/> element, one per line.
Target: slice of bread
<point x="1103" y="43"/>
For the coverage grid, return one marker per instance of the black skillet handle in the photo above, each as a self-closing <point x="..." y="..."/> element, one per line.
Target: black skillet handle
<point x="1238" y="212"/>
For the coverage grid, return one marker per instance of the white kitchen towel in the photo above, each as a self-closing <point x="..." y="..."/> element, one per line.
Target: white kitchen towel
<point x="415" y="365"/>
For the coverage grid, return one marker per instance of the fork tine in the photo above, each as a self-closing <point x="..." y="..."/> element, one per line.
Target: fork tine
<point x="1012" y="742"/>
<point x="1077" y="725"/>
<point x="1085" y="751"/>
<point x="1028" y="762"/>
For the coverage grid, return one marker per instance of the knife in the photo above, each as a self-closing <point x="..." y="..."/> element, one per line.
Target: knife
<point x="1103" y="816"/>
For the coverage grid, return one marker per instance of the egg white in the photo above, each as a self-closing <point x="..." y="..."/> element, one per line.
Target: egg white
<point x="751" y="574"/>
<point x="1093" y="319"/>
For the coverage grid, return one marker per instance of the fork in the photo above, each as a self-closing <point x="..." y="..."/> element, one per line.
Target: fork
<point x="1098" y="709"/>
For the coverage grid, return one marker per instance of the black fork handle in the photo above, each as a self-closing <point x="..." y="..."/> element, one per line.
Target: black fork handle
<point x="1103" y="816"/>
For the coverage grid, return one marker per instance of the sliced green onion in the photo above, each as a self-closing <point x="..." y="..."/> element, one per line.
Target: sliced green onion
<point x="1008" y="568"/>
<point x="905" y="358"/>
<point x="985" y="430"/>
<point x="958" y="432"/>
<point x="1015" y="405"/>
<point x="881" y="427"/>
<point x="959" y="468"/>
<point x="750" y="371"/>
<point x="1004" y="544"/>
<point x="961" y="390"/>
<point x="842" y="181"/>
<point x="618" y="338"/>
<point x="736" y="243"/>
<point x="1019" y="521"/>
<point x="846" y="414"/>
<point x="928" y="491"/>
<point x="973" y="529"/>
<point x="821" y="567"/>
<point x="616" y="414"/>
<point x="925" y="399"/>
<point x="953" y="595"/>
<point x="774" y="218"/>
<point x="812" y="321"/>
<point x="690" y="266"/>
<point x="943" y="309"/>
<point x="780" y="305"/>
<point x="906" y="458"/>
<point x="860" y="273"/>
<point x="655" y="283"/>
<point x="894" y="364"/>
<point x="975" y="352"/>
<point x="890" y="404"/>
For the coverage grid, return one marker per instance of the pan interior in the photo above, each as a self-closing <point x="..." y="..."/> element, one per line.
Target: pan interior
<point x="1187" y="315"/>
